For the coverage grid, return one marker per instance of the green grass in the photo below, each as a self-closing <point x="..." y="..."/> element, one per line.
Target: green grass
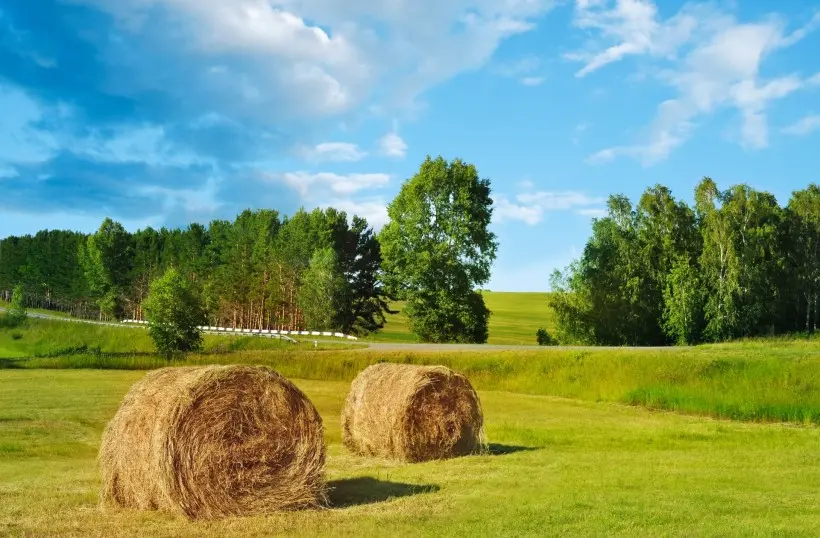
<point x="55" y="313"/>
<point x="40" y="338"/>
<point x="515" y="319"/>
<point x="758" y="381"/>
<point x="561" y="468"/>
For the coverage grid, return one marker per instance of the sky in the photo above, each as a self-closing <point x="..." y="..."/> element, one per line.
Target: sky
<point x="165" y="112"/>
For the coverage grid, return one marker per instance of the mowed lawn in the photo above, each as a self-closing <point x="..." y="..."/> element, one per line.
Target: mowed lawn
<point x="515" y="319"/>
<point x="559" y="468"/>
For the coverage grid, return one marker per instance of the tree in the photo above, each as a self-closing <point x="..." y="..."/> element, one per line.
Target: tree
<point x="437" y="248"/>
<point x="322" y="290"/>
<point x="107" y="258"/>
<point x="365" y="304"/>
<point x="683" y="303"/>
<point x="174" y="311"/>
<point x="16" y="313"/>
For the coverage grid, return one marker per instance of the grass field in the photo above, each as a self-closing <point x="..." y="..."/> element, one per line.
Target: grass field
<point x="559" y="468"/>
<point x="41" y="338"/>
<point x="582" y="440"/>
<point x="765" y="380"/>
<point x="515" y="319"/>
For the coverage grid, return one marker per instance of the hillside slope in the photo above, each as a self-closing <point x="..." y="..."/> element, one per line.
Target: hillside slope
<point x="515" y="318"/>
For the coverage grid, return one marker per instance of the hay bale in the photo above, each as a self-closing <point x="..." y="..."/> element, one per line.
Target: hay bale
<point x="214" y="441"/>
<point x="412" y="413"/>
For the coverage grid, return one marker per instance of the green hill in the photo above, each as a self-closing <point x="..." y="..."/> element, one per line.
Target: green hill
<point x="515" y="319"/>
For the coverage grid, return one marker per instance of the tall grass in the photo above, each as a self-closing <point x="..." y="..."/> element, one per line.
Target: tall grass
<point x="758" y="380"/>
<point x="748" y="382"/>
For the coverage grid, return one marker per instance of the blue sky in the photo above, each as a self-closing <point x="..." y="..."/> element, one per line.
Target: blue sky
<point x="163" y="112"/>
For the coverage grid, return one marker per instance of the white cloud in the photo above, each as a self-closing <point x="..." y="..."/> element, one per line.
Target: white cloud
<point x="317" y="185"/>
<point x="506" y="210"/>
<point x="333" y="151"/>
<point x="632" y="28"/>
<point x="593" y="212"/>
<point x="719" y="68"/>
<point x="392" y="145"/>
<point x="530" y="207"/>
<point x="804" y="126"/>
<point x="532" y="81"/>
<point x="374" y="210"/>
<point x="330" y="56"/>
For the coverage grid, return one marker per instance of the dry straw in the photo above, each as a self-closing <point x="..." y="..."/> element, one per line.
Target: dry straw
<point x="412" y="413"/>
<point x="214" y="441"/>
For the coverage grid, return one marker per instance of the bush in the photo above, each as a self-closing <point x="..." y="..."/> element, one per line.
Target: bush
<point x="544" y="339"/>
<point x="16" y="313"/>
<point x="174" y="311"/>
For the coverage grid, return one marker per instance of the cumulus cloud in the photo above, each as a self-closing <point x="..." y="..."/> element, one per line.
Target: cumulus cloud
<point x="374" y="210"/>
<point x="313" y="185"/>
<point x="234" y="86"/>
<point x="713" y="62"/>
<point x="531" y="207"/>
<point x="392" y="145"/>
<point x="333" y="151"/>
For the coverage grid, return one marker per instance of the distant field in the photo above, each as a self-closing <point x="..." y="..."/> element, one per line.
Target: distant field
<point x="515" y="319"/>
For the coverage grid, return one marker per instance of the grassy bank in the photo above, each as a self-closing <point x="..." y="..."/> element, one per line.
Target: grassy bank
<point x="557" y="468"/>
<point x="120" y="346"/>
<point x="753" y="381"/>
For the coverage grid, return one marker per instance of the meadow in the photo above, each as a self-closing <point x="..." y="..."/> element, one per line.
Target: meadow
<point x="515" y="319"/>
<point x="715" y="440"/>
<point x="556" y="467"/>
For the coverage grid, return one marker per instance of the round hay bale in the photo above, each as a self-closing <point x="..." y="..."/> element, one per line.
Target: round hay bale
<point x="214" y="441"/>
<point x="412" y="413"/>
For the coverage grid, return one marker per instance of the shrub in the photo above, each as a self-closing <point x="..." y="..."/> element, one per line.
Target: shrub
<point x="544" y="338"/>
<point x="174" y="311"/>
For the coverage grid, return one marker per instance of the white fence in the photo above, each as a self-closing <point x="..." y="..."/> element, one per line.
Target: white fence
<point x="265" y="332"/>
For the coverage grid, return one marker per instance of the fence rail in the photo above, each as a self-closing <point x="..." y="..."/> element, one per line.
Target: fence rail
<point x="229" y="330"/>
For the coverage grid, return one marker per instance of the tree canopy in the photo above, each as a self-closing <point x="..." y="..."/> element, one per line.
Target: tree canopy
<point x="438" y="249"/>
<point x="250" y="271"/>
<point x="735" y="265"/>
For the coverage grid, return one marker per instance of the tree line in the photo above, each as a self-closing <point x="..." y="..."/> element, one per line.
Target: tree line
<point x="311" y="270"/>
<point x="262" y="270"/>
<point x="661" y="272"/>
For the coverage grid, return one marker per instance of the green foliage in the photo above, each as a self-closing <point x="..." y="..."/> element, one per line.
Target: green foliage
<point x="250" y="270"/>
<point x="322" y="289"/>
<point x="16" y="313"/>
<point x="736" y="266"/>
<point x="544" y="338"/>
<point x="437" y="249"/>
<point x="107" y="260"/>
<point x="683" y="303"/>
<point x="174" y="311"/>
<point x="446" y="317"/>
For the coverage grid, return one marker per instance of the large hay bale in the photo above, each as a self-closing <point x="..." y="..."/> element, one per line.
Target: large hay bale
<point x="214" y="441"/>
<point x="412" y="413"/>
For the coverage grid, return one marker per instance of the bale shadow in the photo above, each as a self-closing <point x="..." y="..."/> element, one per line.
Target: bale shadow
<point x="495" y="449"/>
<point x="366" y="490"/>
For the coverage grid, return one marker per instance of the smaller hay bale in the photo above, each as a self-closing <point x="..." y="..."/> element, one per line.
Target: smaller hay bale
<point x="412" y="413"/>
<point x="212" y="442"/>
